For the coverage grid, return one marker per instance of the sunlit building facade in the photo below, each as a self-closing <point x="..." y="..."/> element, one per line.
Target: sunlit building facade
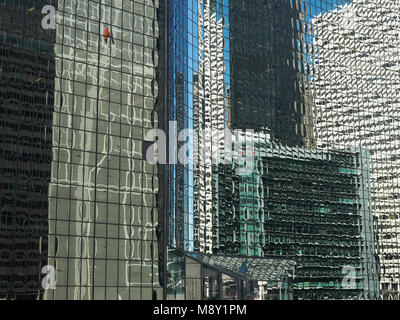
<point x="283" y="110"/>
<point x="104" y="198"/>
<point x="307" y="206"/>
<point x="356" y="87"/>
<point x="230" y="69"/>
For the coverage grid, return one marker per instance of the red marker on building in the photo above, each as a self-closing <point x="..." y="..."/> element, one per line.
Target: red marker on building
<point x="108" y="34"/>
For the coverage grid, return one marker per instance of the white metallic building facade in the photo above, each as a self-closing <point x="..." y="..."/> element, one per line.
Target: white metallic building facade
<point x="357" y="92"/>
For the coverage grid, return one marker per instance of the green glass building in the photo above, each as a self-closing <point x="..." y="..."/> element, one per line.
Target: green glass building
<point x="304" y="205"/>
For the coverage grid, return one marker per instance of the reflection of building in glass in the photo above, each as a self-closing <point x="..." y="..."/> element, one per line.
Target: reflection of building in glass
<point x="178" y="111"/>
<point x="104" y="196"/>
<point x="240" y="76"/>
<point x="75" y="107"/>
<point x="303" y="205"/>
<point x="209" y="105"/>
<point x="230" y="68"/>
<point x="26" y="103"/>
<point x="357" y="95"/>
<point x="270" y="70"/>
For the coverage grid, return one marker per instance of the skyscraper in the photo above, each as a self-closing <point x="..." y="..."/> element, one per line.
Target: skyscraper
<point x="27" y="71"/>
<point x="279" y="120"/>
<point x="357" y="98"/>
<point x="233" y="70"/>
<point x="308" y="206"/>
<point x="269" y="72"/>
<point x="104" y="197"/>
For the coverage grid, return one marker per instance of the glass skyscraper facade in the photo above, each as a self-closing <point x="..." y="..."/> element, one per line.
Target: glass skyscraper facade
<point x="27" y="73"/>
<point x="305" y="205"/>
<point x="283" y="112"/>
<point x="357" y="101"/>
<point x="103" y="195"/>
<point x="270" y="78"/>
<point x="261" y="68"/>
<point x="77" y="193"/>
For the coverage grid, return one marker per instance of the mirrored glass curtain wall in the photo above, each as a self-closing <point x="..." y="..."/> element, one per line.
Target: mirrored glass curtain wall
<point x="274" y="127"/>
